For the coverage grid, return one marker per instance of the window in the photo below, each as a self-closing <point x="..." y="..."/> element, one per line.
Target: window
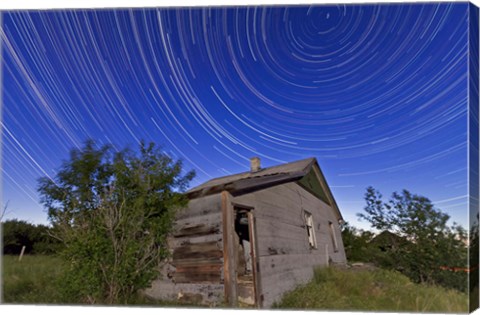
<point x="310" y="230"/>
<point x="334" y="238"/>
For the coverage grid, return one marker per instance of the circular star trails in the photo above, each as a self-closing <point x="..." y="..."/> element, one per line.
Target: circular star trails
<point x="378" y="93"/>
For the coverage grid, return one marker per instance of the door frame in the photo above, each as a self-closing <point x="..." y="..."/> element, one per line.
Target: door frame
<point x="254" y="257"/>
<point x="229" y="256"/>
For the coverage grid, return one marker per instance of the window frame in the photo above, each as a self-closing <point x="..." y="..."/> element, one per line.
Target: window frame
<point x="310" y="228"/>
<point x="333" y="236"/>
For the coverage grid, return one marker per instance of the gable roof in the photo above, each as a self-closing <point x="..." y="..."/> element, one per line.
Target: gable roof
<point x="246" y="182"/>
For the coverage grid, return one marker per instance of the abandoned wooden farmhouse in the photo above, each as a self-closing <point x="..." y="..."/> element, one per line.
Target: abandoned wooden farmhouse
<point x="248" y="238"/>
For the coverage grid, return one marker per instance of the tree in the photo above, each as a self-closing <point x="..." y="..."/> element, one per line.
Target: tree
<point x="429" y="243"/>
<point x="35" y="238"/>
<point x="357" y="244"/>
<point x="113" y="211"/>
<point x="16" y="234"/>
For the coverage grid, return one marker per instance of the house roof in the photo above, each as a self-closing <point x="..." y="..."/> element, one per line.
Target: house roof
<point x="245" y="182"/>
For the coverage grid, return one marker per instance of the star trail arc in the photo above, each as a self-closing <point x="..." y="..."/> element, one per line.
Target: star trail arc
<point x="376" y="92"/>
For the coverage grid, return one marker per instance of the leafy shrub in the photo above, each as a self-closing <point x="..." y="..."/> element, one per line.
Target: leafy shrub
<point x="112" y="211"/>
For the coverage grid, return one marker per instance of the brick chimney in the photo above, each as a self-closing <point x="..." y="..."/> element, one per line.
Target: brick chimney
<point x="255" y="164"/>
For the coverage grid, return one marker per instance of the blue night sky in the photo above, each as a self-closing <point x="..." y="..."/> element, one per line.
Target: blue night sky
<point x="377" y="93"/>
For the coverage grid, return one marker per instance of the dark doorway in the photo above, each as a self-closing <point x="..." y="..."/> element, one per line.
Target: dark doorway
<point x="245" y="255"/>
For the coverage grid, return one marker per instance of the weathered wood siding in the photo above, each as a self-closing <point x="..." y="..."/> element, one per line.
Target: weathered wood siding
<point x="285" y="259"/>
<point x="195" y="268"/>
<point x="197" y="242"/>
<point x="284" y="254"/>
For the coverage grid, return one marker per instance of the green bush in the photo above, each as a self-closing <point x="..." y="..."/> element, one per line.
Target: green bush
<point x="112" y="211"/>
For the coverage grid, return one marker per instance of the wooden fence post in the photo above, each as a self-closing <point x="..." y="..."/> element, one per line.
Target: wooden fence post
<point x="21" y="253"/>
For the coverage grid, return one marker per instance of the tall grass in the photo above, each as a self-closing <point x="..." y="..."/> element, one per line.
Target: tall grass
<point x="378" y="290"/>
<point x="37" y="279"/>
<point x="33" y="280"/>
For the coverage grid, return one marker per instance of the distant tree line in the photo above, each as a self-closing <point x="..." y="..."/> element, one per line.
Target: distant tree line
<point x="37" y="238"/>
<point x="413" y="238"/>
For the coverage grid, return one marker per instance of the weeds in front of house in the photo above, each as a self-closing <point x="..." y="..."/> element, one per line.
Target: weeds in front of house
<point x="37" y="280"/>
<point x="367" y="290"/>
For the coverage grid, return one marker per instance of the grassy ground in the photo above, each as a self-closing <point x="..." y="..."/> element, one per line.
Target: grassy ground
<point x="378" y="290"/>
<point x="34" y="280"/>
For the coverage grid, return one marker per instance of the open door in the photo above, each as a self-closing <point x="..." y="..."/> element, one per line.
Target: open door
<point x="246" y="269"/>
